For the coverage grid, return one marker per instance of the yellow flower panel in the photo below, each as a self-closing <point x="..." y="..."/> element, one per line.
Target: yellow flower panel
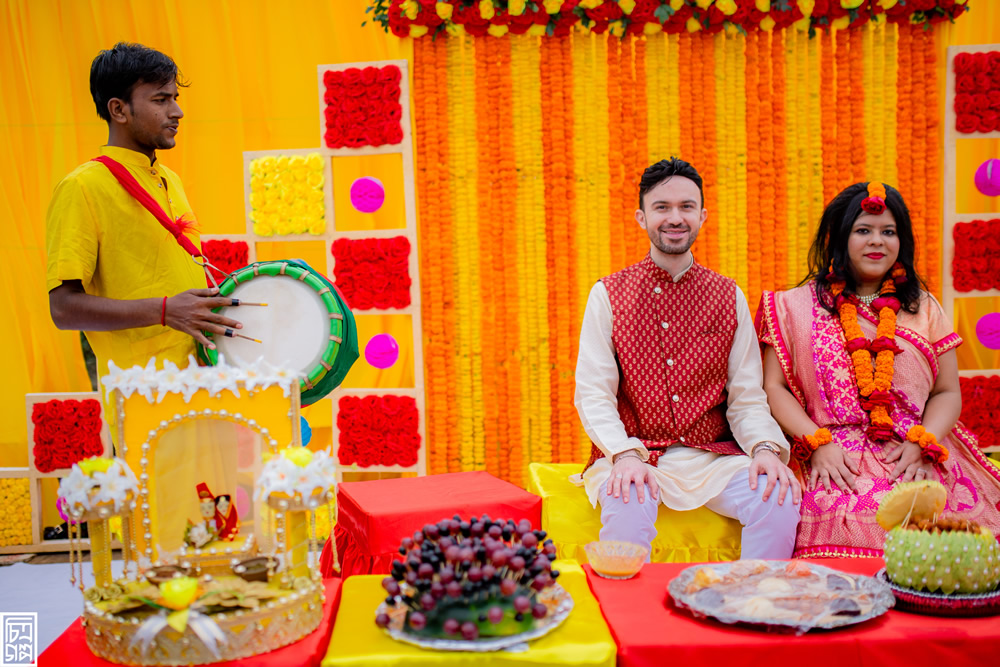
<point x="286" y="195"/>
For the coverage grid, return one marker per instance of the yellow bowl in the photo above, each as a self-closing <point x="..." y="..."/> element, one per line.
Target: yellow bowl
<point x="616" y="560"/>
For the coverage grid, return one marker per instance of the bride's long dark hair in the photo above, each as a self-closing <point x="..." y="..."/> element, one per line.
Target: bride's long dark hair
<point x="829" y="249"/>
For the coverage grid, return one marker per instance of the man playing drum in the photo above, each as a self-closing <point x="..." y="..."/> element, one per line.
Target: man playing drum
<point x="115" y="269"/>
<point x="120" y="241"/>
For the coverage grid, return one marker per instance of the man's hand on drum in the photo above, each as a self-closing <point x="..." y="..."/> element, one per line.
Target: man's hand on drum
<point x="191" y="312"/>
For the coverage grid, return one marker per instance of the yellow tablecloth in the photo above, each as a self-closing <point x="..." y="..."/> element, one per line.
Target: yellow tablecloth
<point x="697" y="536"/>
<point x="582" y="639"/>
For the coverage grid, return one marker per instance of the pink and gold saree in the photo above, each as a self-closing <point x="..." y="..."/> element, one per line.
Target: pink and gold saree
<point x="809" y="343"/>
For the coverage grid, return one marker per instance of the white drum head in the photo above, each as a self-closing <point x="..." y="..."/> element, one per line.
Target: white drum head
<point x="294" y="326"/>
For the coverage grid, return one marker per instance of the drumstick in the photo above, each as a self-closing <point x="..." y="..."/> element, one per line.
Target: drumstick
<point x="237" y="302"/>
<point x="229" y="333"/>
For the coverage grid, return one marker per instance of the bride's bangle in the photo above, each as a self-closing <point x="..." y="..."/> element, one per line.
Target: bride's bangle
<point x="930" y="448"/>
<point x="804" y="445"/>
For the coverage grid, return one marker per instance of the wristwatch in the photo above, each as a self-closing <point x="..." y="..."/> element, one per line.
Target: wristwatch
<point x="767" y="445"/>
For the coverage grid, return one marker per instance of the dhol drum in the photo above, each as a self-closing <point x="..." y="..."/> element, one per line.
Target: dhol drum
<point x="305" y="326"/>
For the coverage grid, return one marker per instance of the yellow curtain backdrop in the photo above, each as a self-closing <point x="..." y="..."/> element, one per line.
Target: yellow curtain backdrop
<point x="252" y="68"/>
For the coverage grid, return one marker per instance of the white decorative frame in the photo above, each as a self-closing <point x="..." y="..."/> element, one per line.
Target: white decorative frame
<point x="405" y="149"/>
<point x="951" y="214"/>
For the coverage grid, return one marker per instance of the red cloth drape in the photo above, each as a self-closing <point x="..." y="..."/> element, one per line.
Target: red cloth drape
<point x="372" y="517"/>
<point x="127" y="180"/>
<point x="648" y="627"/>
<point x="71" y="646"/>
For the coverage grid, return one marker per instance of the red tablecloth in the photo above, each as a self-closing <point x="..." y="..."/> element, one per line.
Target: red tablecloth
<point x="650" y="630"/>
<point x="71" y="646"/>
<point x="372" y="517"/>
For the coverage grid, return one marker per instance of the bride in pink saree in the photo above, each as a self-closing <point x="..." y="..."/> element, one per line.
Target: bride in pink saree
<point x="812" y="381"/>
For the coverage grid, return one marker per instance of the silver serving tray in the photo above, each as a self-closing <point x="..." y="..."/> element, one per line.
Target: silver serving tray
<point x="556" y="598"/>
<point x="882" y="600"/>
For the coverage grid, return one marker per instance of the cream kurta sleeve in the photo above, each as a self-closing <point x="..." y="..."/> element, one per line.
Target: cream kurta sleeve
<point x="597" y="379"/>
<point x="748" y="413"/>
<point x="688" y="477"/>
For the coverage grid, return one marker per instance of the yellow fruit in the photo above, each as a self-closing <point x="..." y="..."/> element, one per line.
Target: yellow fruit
<point x="911" y="501"/>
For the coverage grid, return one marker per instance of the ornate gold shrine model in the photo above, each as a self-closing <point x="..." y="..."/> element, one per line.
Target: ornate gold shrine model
<point x="178" y="603"/>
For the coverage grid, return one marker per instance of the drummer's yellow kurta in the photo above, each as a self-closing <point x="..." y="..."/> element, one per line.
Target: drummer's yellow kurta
<point x="99" y="234"/>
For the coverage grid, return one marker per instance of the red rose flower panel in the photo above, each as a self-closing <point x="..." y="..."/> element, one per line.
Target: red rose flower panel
<point x="981" y="408"/>
<point x="363" y="107"/>
<point x="378" y="430"/>
<point x="373" y="273"/>
<point x="65" y="432"/>
<point x="976" y="265"/>
<point x="977" y="92"/>
<point x="226" y="255"/>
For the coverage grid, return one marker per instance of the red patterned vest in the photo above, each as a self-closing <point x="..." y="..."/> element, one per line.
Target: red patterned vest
<point x="672" y="342"/>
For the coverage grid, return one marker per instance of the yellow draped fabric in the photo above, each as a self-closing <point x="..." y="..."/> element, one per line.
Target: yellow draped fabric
<point x="252" y="66"/>
<point x="696" y="536"/>
<point x="582" y="639"/>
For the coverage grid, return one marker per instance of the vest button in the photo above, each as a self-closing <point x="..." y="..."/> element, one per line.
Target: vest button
<point x="675" y="398"/>
<point x="670" y="362"/>
<point x="664" y="324"/>
<point x="682" y="439"/>
<point x="657" y="290"/>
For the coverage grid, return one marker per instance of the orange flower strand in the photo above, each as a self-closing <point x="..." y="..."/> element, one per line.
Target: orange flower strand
<point x="821" y="437"/>
<point x="921" y="436"/>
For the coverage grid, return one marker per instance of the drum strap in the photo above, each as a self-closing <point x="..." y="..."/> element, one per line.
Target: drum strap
<point x="127" y="180"/>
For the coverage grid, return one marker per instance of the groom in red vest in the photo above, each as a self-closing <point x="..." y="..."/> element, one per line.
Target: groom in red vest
<point x="668" y="386"/>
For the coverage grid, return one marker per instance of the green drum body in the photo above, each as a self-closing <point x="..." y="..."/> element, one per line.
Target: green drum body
<point x="306" y="326"/>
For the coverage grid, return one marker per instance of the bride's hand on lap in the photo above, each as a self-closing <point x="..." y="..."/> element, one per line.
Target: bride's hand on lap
<point x="831" y="464"/>
<point x="910" y="464"/>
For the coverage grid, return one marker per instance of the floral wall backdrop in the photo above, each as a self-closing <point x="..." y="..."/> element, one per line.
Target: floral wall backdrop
<point x="529" y="153"/>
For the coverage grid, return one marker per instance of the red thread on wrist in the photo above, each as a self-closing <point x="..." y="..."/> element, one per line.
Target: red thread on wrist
<point x="163" y="313"/>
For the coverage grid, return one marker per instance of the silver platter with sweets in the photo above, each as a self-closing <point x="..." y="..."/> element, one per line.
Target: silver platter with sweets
<point x="790" y="596"/>
<point x="556" y="598"/>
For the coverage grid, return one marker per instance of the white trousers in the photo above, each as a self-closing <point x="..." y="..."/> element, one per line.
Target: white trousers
<point x="768" y="528"/>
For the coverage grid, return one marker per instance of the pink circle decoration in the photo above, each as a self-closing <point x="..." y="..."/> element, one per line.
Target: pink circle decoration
<point x="988" y="330"/>
<point x="242" y="502"/>
<point x="367" y="194"/>
<point x="382" y="351"/>
<point x="988" y="178"/>
<point x="244" y="451"/>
